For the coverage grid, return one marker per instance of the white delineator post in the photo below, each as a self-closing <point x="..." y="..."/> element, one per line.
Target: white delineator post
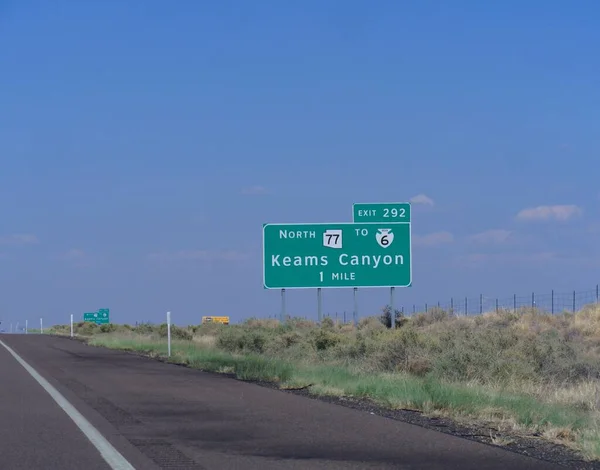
<point x="26" y="325"/>
<point x="169" y="334"/>
<point x="41" y="327"/>
<point x="71" y="325"/>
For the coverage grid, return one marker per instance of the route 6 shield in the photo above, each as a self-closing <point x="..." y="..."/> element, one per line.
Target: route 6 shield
<point x="384" y="237"/>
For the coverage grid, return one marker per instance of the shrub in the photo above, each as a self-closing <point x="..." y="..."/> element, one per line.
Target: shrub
<point x="433" y="315"/>
<point x="554" y="357"/>
<point x="300" y="323"/>
<point x="87" y="328"/>
<point x="351" y="349"/>
<point x="403" y="350"/>
<point x="208" y="329"/>
<point x="239" y="340"/>
<point x="108" y="328"/>
<point x="386" y="317"/>
<point x="482" y="354"/>
<point x="231" y="340"/>
<point x="145" y="328"/>
<point x="261" y="323"/>
<point x="255" y="341"/>
<point x="176" y="332"/>
<point x="324" y="339"/>
<point x="289" y="339"/>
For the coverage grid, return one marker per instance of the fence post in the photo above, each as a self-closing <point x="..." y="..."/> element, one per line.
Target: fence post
<point x="480" y="304"/>
<point x="515" y="303"/>
<point x="573" y="301"/>
<point x="552" y="301"/>
<point x="426" y="309"/>
<point x="452" y="305"/>
<point x="496" y="305"/>
<point x="597" y="292"/>
<point x="438" y="304"/>
<point x="414" y="309"/>
<point x="466" y="308"/>
<point x="533" y="300"/>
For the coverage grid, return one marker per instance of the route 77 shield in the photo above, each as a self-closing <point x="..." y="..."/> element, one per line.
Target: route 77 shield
<point x="384" y="237"/>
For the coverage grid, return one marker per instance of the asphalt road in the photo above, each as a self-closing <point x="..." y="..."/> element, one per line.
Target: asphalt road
<point x="161" y="416"/>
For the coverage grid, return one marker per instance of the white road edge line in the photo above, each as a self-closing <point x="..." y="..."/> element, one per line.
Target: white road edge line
<point x="111" y="455"/>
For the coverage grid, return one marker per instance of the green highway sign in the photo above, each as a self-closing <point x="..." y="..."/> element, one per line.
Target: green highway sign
<point x="308" y="256"/>
<point x="381" y="212"/>
<point x="102" y="316"/>
<point x="90" y="316"/>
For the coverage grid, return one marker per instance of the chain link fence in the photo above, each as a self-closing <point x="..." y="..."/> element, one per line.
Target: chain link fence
<point x="549" y="302"/>
<point x="545" y="302"/>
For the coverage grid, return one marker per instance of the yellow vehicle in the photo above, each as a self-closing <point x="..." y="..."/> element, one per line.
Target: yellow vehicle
<point x="223" y="320"/>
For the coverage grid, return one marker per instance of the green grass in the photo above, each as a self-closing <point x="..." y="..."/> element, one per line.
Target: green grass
<point x="244" y="367"/>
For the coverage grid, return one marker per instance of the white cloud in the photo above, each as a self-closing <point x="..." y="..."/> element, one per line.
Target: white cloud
<point x="18" y="239"/>
<point x="432" y="239"/>
<point x="494" y="236"/>
<point x="421" y="199"/>
<point x="199" y="255"/>
<point x="255" y="191"/>
<point x="559" y="212"/>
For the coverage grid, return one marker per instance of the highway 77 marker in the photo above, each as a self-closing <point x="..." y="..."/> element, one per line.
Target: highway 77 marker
<point x="337" y="255"/>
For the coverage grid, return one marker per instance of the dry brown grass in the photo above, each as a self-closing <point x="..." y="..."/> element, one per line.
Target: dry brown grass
<point x="207" y="341"/>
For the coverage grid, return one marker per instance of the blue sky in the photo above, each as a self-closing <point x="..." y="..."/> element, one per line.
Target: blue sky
<point x="143" y="146"/>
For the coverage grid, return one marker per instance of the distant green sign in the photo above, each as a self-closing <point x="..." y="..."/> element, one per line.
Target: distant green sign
<point x="102" y="316"/>
<point x="381" y="212"/>
<point x="297" y="256"/>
